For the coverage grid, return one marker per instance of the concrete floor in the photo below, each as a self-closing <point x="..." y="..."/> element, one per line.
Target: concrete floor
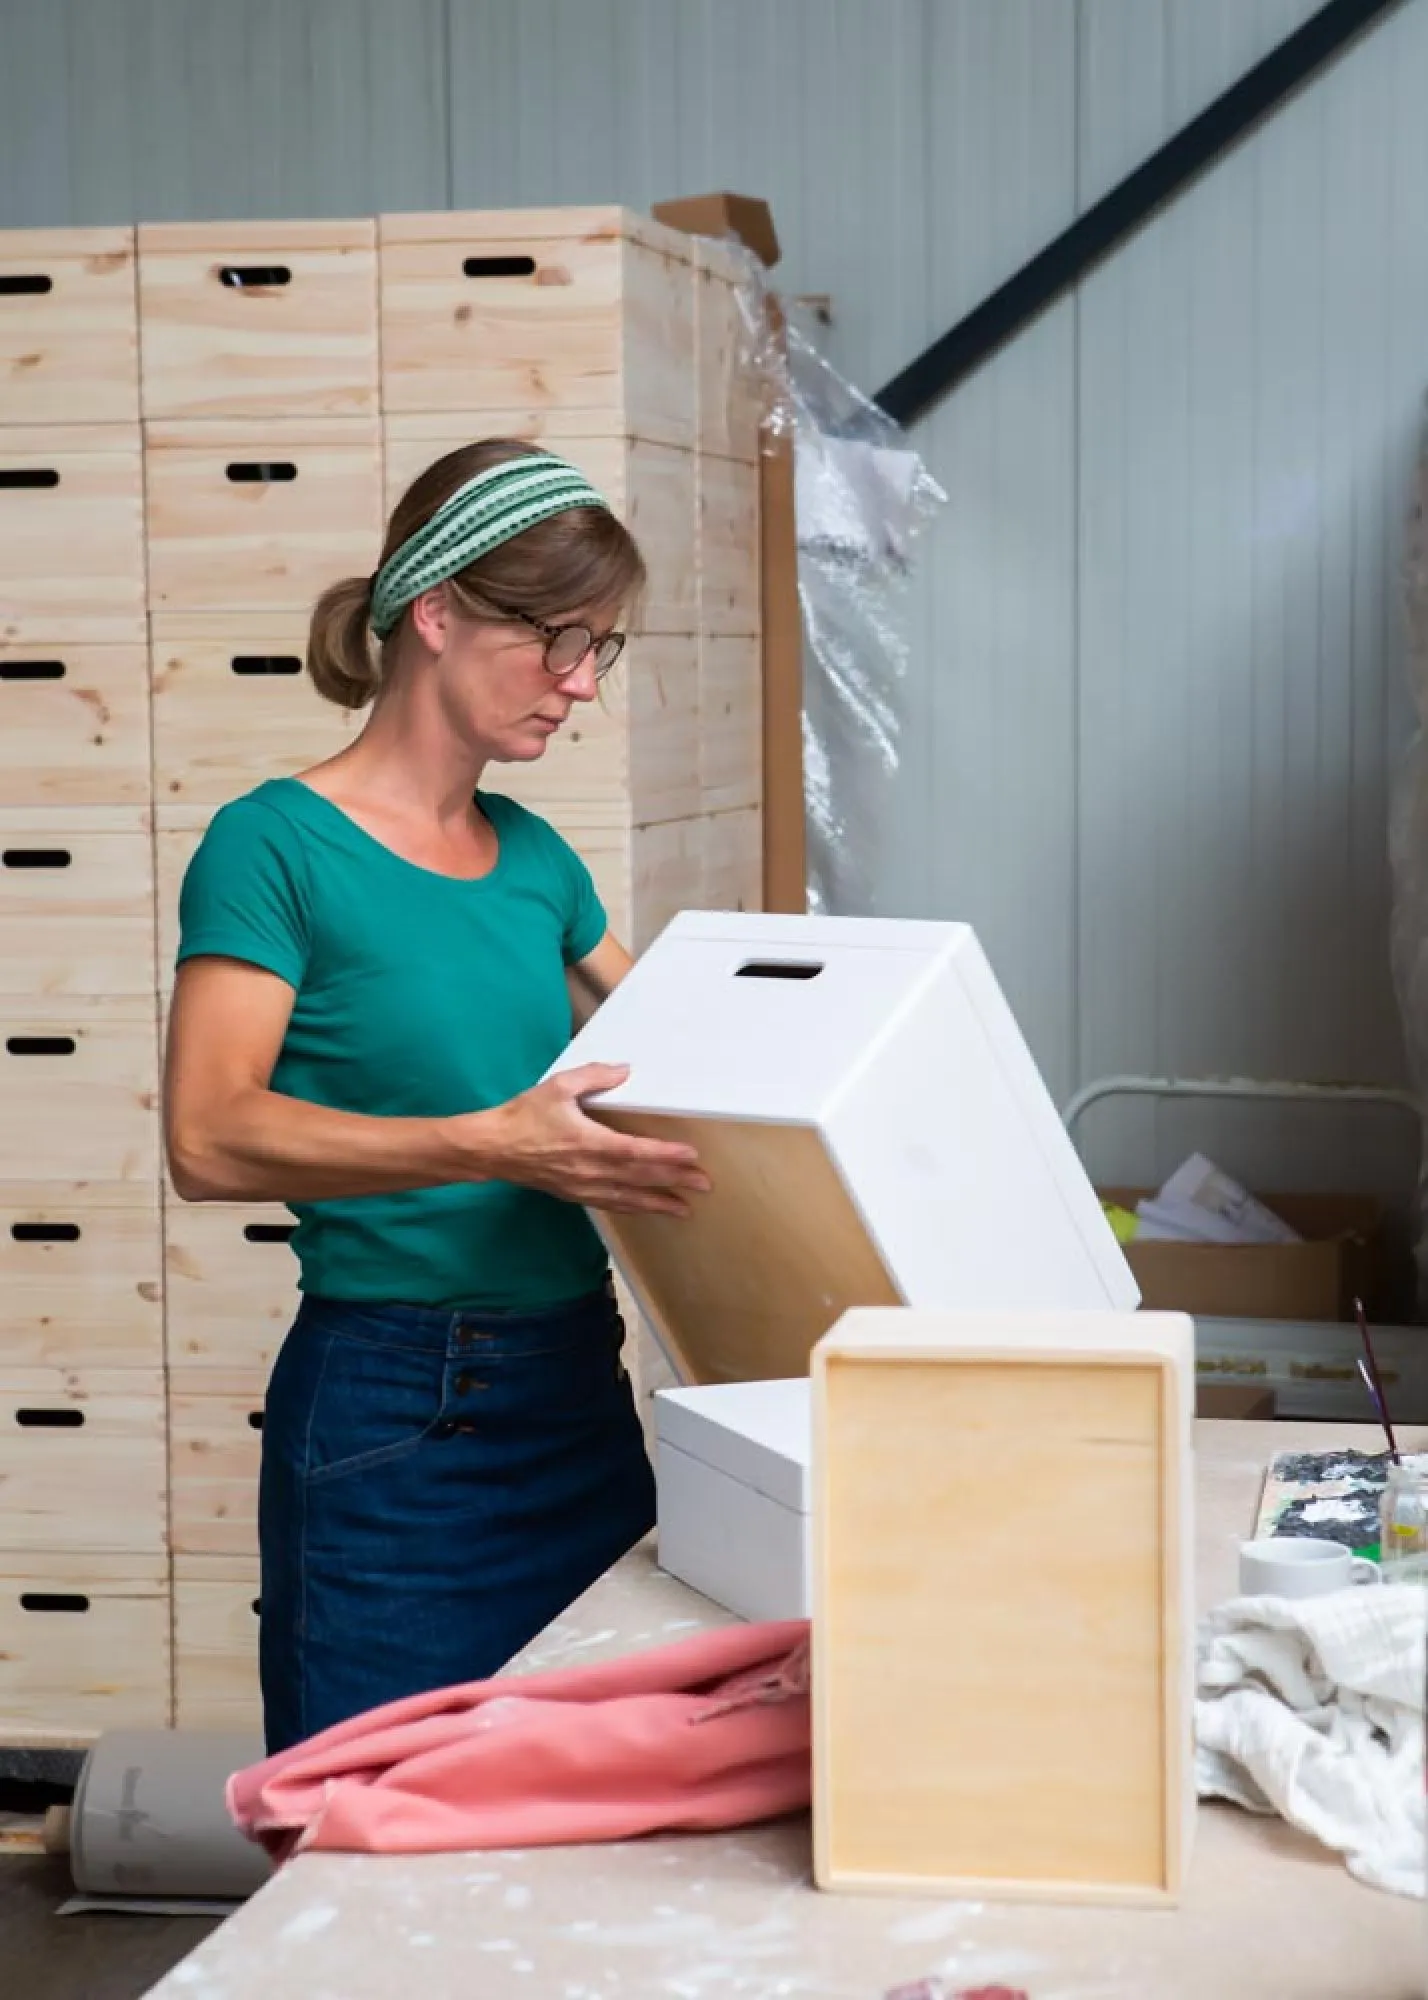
<point x="102" y="1956"/>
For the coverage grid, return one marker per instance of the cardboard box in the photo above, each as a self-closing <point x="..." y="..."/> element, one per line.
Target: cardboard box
<point x="1342" y="1257"/>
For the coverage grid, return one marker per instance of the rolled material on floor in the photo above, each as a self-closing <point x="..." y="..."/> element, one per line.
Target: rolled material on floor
<point x="149" y="1817"/>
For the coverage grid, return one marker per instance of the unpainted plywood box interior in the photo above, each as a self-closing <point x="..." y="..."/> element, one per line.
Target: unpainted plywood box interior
<point x="743" y="1288"/>
<point x="999" y="1583"/>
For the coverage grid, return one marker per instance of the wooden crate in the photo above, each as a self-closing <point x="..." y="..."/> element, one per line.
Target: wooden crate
<point x="74" y="725"/>
<point x="233" y="706"/>
<point x="253" y="516"/>
<point x="731" y="737"/>
<point x="555" y="309"/>
<point x="69" y="349"/>
<point x="84" y="1645"/>
<point x="81" y="1275"/>
<point x="71" y="535"/>
<point x="79" y="1089"/>
<point x="727" y="388"/>
<point x="216" y="1643"/>
<point x="729" y="577"/>
<point x="231" y="1290"/>
<point x="1002" y="1664"/>
<point x="76" y="900"/>
<point x="258" y="319"/>
<point x="650" y="486"/>
<point x="215" y="1441"/>
<point x="82" y="1459"/>
<point x="733" y="852"/>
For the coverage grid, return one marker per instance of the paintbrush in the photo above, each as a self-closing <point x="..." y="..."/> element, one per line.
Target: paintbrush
<point x="1373" y="1381"/>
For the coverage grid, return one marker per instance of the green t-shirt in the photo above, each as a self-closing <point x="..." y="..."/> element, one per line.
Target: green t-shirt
<point x="416" y="996"/>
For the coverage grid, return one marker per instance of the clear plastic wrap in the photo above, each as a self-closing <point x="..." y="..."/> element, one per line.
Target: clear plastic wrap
<point x="862" y="497"/>
<point x="1408" y="851"/>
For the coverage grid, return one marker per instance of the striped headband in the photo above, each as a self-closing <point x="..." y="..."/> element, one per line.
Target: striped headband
<point x="492" y="508"/>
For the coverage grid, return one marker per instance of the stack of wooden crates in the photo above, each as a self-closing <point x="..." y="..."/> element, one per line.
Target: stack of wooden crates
<point x="200" y="427"/>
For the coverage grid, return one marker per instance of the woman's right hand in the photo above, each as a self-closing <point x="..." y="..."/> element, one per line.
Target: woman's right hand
<point x="544" y="1140"/>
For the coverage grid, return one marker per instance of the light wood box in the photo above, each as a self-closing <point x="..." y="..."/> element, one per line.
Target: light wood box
<point x="71" y="535"/>
<point x="1002" y="1605"/>
<point x="258" y="319"/>
<point x="216" y="1643"/>
<point x="82" y="1459"/>
<point x="650" y="486"/>
<point x="233" y="706"/>
<point x="69" y="351"/>
<point x="74" y="725"/>
<point x="727" y="385"/>
<point x="253" y="516"/>
<point x="81" y="1275"/>
<point x="733" y="844"/>
<point x="76" y="900"/>
<point x="568" y="309"/>
<point x="729" y="574"/>
<point x="231" y="1290"/>
<point x="215" y="1448"/>
<point x="79" y="1089"/>
<point x="731" y="734"/>
<point x="84" y="1645"/>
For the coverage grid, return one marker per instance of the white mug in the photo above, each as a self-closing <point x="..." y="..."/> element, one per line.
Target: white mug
<point x="1283" y="1566"/>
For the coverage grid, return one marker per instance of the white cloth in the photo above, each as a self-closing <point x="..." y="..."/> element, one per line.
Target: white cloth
<point x="1313" y="1708"/>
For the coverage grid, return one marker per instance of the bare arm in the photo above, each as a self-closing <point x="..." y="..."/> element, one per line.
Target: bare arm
<point x="231" y="1137"/>
<point x="594" y="978"/>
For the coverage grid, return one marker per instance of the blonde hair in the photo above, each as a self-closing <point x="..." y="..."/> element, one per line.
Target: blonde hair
<point x="583" y="557"/>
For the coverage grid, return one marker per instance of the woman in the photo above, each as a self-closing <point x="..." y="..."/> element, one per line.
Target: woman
<point x="377" y="964"/>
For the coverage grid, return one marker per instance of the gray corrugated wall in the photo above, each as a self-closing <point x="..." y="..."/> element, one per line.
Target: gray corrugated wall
<point x="1157" y="690"/>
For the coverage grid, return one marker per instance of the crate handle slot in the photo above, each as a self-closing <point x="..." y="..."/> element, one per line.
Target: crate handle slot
<point x="265" y="663"/>
<point x="268" y="1232"/>
<point x="499" y="267"/>
<point x="50" y="1420"/>
<point x="262" y="471"/>
<point x="52" y="1600"/>
<point x="39" y="1045"/>
<point x="256" y="1607"/>
<point x="768" y="968"/>
<point x="36" y="857"/>
<point x="28" y="475"/>
<point x="45" y="1232"/>
<point x="32" y="670"/>
<point x="252" y="277"/>
<point x="255" y="1420"/>
<point x="25" y="284"/>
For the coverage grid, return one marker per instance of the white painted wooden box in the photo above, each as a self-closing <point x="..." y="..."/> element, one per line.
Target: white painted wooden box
<point x="731" y="1466"/>
<point x="875" y="1126"/>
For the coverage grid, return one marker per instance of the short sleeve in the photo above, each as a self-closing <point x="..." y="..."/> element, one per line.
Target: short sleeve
<point x="245" y="893"/>
<point x="586" y="922"/>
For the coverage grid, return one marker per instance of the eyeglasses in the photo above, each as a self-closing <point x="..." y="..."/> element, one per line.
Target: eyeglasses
<point x="567" y="646"/>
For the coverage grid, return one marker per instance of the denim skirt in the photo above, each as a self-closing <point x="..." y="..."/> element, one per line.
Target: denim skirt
<point x="437" y="1486"/>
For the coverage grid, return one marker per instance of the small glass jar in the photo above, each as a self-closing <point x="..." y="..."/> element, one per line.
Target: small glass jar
<point x="1403" y="1525"/>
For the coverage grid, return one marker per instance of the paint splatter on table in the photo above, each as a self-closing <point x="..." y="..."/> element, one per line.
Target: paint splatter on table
<point x="1327" y="1496"/>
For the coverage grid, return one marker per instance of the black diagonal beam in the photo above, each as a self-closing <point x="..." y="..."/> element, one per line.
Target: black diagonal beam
<point x="1102" y="229"/>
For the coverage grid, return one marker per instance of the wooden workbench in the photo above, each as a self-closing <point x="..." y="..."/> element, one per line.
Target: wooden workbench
<point x="1268" y="1915"/>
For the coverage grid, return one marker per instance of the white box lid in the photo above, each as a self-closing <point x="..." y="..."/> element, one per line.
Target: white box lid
<point x="759" y="1433"/>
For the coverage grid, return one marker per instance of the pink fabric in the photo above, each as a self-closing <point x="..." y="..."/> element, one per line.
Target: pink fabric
<point x="711" y="1732"/>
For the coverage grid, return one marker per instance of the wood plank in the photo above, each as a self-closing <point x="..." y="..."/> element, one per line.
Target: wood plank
<point x="91" y="498"/>
<point x="214" y="1451"/>
<point x="303" y="346"/>
<point x="81" y="1275"/>
<point x="729" y="514"/>
<point x="731" y="749"/>
<point x="76" y="901"/>
<point x="733" y="860"/>
<point x="69" y="353"/>
<point x="82" y="1650"/>
<point x="1039" y="1744"/>
<point x="74" y="725"/>
<point x="78" y="1089"/>
<point x="216" y="1643"/>
<point x="218" y="543"/>
<point x="231" y="1290"/>
<point x="221" y="727"/>
<point x="728" y="390"/>
<point x="82" y="1459"/>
